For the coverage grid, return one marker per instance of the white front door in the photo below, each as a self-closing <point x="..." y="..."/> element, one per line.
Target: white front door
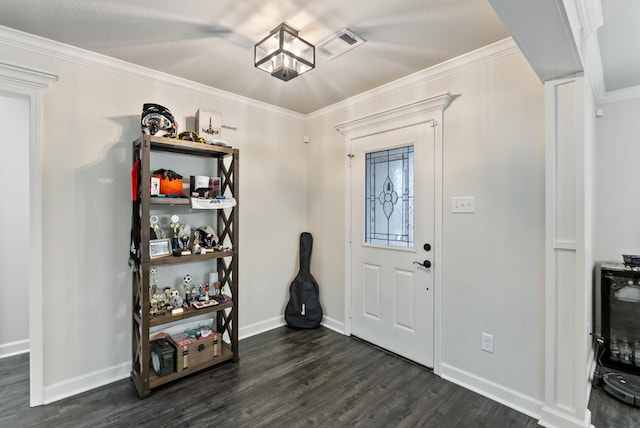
<point x="392" y="235"/>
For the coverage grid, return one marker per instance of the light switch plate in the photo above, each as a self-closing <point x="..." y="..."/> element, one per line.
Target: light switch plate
<point x="487" y="343"/>
<point x="463" y="204"/>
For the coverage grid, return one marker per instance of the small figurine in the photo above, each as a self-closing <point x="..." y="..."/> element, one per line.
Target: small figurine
<point x="195" y="295"/>
<point x="186" y="285"/>
<point x="153" y="281"/>
<point x="185" y="239"/>
<point x="197" y="240"/>
<point x="220" y="297"/>
<point x="184" y="244"/>
<point x="175" y="226"/>
<point x="176" y="300"/>
<point x="158" y="304"/>
<point x="153" y="221"/>
<point x="209" y="237"/>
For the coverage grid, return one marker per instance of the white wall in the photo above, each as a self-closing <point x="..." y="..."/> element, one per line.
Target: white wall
<point x="618" y="171"/>
<point x="14" y="316"/>
<point x="90" y="117"/>
<point x="494" y="259"/>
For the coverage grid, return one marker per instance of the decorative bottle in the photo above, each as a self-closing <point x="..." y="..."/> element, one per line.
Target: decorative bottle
<point x="614" y="350"/>
<point x="626" y="354"/>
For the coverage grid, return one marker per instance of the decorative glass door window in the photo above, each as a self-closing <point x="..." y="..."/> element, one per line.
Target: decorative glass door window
<point x="389" y="197"/>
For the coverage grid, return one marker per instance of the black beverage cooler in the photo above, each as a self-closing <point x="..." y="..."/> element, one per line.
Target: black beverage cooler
<point x="617" y="315"/>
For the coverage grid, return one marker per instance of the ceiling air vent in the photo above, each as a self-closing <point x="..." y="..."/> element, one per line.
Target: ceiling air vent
<point x="339" y="43"/>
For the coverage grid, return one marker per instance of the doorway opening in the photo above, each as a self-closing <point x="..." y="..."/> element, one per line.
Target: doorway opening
<point x="22" y="88"/>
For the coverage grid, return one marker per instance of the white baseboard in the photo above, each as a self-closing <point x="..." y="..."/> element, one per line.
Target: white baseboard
<point x="100" y="378"/>
<point x="260" y="327"/>
<point x="103" y="377"/>
<point x="334" y="325"/>
<point x="84" y="383"/>
<point x="555" y="418"/>
<point x="263" y="326"/>
<point x="510" y="398"/>
<point x="14" y="348"/>
<point x="561" y="417"/>
<point x="546" y="416"/>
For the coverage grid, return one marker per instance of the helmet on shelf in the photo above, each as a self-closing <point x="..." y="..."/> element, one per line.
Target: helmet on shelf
<point x="157" y="120"/>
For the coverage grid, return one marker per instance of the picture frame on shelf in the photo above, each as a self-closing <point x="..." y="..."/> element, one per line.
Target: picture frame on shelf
<point x="159" y="248"/>
<point x="155" y="186"/>
<point x="209" y="124"/>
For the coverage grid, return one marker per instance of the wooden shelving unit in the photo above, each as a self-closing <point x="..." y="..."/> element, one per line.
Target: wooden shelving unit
<point x="227" y="161"/>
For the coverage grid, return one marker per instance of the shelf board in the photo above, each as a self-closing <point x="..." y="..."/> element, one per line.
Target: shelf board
<point x="188" y="313"/>
<point x="169" y="260"/>
<point x="155" y="380"/>
<point x="185" y="147"/>
<point x="154" y="200"/>
<point x="199" y="204"/>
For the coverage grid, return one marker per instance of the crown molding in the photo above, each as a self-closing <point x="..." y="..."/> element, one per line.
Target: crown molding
<point x="394" y="118"/>
<point x="73" y="54"/>
<point x="585" y="19"/>
<point x="619" y="95"/>
<point x="455" y="65"/>
<point x="24" y="76"/>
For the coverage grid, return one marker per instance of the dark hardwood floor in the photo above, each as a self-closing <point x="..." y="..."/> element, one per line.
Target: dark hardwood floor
<point x="608" y="412"/>
<point x="285" y="378"/>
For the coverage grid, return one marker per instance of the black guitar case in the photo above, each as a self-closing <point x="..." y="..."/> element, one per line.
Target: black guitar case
<point x="303" y="309"/>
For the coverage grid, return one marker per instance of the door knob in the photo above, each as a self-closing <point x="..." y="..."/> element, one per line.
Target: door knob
<point x="427" y="247"/>
<point x="425" y="263"/>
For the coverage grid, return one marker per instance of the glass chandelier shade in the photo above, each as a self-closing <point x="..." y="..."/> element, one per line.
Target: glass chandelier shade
<point x="283" y="54"/>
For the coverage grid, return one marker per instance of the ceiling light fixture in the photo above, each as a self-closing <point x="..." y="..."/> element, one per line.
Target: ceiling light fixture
<point x="283" y="54"/>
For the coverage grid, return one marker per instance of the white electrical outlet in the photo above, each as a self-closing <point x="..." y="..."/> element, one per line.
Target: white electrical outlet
<point x="463" y="204"/>
<point x="487" y="342"/>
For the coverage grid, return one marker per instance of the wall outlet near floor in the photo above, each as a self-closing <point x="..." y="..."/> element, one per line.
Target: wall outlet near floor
<point x="487" y="342"/>
<point x="463" y="204"/>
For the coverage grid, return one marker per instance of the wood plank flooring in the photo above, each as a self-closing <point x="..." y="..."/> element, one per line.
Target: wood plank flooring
<point x="285" y="378"/>
<point x="608" y="412"/>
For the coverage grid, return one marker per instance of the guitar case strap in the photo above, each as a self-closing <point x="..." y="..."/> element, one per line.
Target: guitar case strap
<point x="134" y="249"/>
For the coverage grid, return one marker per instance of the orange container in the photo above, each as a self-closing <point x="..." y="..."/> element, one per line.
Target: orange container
<point x="170" y="187"/>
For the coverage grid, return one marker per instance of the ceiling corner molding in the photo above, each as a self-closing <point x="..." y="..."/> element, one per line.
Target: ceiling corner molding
<point x="16" y="74"/>
<point x="619" y="95"/>
<point x="72" y="54"/>
<point x="395" y="118"/>
<point x="585" y="18"/>
<point x="455" y="65"/>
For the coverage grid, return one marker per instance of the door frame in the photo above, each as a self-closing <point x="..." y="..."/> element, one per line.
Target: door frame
<point x="419" y="112"/>
<point x="31" y="83"/>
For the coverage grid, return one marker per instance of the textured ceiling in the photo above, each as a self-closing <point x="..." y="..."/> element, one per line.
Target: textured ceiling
<point x="211" y="41"/>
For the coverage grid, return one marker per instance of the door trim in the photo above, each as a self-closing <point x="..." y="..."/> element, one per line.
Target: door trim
<point x="426" y="110"/>
<point x="31" y="83"/>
